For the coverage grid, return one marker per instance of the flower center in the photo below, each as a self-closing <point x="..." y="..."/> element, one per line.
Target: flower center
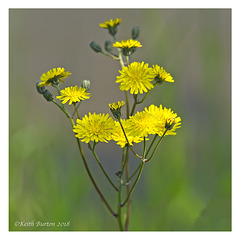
<point x="95" y="128"/>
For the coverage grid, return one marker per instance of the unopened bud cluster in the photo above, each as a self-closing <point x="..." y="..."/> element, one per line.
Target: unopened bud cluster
<point x="127" y="49"/>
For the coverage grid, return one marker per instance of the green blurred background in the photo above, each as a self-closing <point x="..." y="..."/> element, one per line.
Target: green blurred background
<point x="187" y="186"/>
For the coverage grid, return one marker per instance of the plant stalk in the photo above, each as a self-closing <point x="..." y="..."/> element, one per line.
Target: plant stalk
<point x="100" y="165"/>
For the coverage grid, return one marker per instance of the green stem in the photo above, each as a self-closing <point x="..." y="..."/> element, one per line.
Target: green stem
<point x="128" y="141"/>
<point x="100" y="165"/>
<point x="58" y="90"/>
<point x="63" y="107"/>
<point x="146" y="94"/>
<point x="119" y="206"/>
<point x="86" y="167"/>
<point x="144" y="147"/>
<point x="146" y="160"/>
<point x="127" y="181"/>
<point x="134" y="184"/>
<point x="124" y="160"/>
<point x="128" y="190"/>
<point x="76" y="109"/>
<point x="93" y="181"/>
<point x="127" y="103"/>
<point x="127" y="58"/>
<point x="134" y="104"/>
<point x="120" y="191"/>
<point x="64" y="111"/>
<point x="110" y="55"/>
<point x="119" y="53"/>
<point x="154" y="139"/>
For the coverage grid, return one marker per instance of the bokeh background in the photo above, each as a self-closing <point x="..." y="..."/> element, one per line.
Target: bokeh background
<point x="187" y="186"/>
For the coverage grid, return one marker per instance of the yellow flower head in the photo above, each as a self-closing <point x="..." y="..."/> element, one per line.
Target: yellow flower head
<point x="164" y="119"/>
<point x="95" y="127"/>
<point x="137" y="77"/>
<point x="116" y="106"/>
<point x="116" y="109"/>
<point x="53" y="76"/>
<point x="127" y="44"/>
<point x="111" y="25"/>
<point x="172" y="122"/>
<point x="120" y="138"/>
<point x="161" y="75"/>
<point x="73" y="94"/>
<point x="140" y="125"/>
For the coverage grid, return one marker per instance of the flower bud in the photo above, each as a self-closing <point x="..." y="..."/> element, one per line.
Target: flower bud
<point x="40" y="89"/>
<point x="48" y="96"/>
<point x="135" y="32"/>
<point x="108" y="46"/>
<point x="170" y="122"/>
<point x="86" y="84"/>
<point x="95" y="46"/>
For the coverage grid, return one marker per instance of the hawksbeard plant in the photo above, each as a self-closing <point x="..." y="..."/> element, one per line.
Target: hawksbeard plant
<point x="148" y="127"/>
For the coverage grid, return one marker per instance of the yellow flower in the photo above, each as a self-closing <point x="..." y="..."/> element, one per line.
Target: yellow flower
<point x="116" y="106"/>
<point x="170" y="117"/>
<point x="120" y="138"/>
<point x="127" y="44"/>
<point x="73" y="94"/>
<point x="95" y="127"/>
<point x="116" y="109"/>
<point x="110" y="24"/>
<point x="161" y="75"/>
<point x="53" y="76"/>
<point x="137" y="77"/>
<point x="153" y="120"/>
<point x="164" y="119"/>
<point x="141" y="124"/>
